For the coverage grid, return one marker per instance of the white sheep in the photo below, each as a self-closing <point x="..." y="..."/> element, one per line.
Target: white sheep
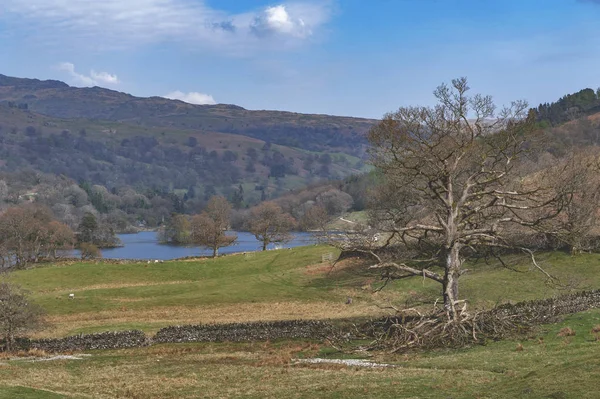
<point x="71" y="296"/>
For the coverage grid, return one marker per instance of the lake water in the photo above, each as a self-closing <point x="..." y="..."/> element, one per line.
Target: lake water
<point x="145" y="245"/>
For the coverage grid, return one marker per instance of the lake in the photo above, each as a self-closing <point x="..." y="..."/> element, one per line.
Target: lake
<point x="145" y="245"/>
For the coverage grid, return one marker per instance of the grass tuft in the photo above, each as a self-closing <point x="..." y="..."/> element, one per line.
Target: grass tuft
<point x="566" y="332"/>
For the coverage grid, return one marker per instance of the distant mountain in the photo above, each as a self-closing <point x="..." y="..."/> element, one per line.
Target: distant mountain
<point x="310" y="132"/>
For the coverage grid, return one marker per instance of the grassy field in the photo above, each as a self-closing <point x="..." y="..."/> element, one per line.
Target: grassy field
<point x="549" y="366"/>
<point x="274" y="285"/>
<point x="292" y="284"/>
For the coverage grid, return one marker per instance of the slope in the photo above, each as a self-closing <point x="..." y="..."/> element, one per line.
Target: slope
<point x="313" y="132"/>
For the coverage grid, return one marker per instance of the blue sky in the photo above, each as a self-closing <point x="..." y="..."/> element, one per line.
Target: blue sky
<point x="343" y="57"/>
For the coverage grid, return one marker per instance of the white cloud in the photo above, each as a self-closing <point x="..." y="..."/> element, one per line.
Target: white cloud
<point x="104" y="77"/>
<point x="191" y="97"/>
<point x="277" y="19"/>
<point x="94" y="79"/>
<point x="122" y="24"/>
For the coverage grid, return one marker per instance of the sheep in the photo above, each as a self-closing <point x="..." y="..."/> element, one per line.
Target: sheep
<point x="71" y="296"/>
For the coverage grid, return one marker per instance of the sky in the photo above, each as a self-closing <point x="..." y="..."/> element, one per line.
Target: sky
<point x="343" y="57"/>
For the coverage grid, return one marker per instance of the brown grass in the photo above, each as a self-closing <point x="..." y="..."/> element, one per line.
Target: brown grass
<point x="566" y="332"/>
<point x="227" y="313"/>
<point x="27" y="353"/>
<point x="519" y="348"/>
<point x="195" y="371"/>
<point x="326" y="268"/>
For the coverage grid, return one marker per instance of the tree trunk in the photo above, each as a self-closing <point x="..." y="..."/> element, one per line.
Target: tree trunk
<point x="215" y="252"/>
<point x="450" y="285"/>
<point x="264" y="246"/>
<point x="9" y="338"/>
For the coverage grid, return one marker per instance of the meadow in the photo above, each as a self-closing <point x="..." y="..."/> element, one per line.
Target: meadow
<point x="295" y="284"/>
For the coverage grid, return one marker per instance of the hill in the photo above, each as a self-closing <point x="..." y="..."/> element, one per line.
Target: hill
<point x="310" y="132"/>
<point x="157" y="145"/>
<point x="116" y="154"/>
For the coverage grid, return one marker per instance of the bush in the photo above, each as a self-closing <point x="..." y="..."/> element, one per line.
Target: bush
<point x="89" y="251"/>
<point x="17" y="314"/>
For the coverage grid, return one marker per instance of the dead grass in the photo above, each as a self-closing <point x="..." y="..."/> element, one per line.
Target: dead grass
<point x="156" y="318"/>
<point x="200" y="371"/>
<point x="566" y="332"/>
<point x="27" y="353"/>
<point x="329" y="268"/>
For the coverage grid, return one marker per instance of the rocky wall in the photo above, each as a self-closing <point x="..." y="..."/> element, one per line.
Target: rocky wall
<point x="236" y="332"/>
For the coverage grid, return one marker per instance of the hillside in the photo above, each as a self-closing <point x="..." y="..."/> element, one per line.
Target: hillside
<point x="117" y="154"/>
<point x="311" y="132"/>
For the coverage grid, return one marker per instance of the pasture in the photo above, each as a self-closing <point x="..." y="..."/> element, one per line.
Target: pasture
<point x="295" y="284"/>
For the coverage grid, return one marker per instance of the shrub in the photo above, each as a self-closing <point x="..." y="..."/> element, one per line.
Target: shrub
<point x="89" y="251"/>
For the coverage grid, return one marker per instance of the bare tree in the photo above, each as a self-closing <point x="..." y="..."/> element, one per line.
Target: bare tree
<point x="316" y="218"/>
<point x="17" y="314"/>
<point x="453" y="189"/>
<point x="89" y="251"/>
<point x="270" y="224"/>
<point x="209" y="229"/>
<point x="59" y="237"/>
<point x="578" y="178"/>
<point x="17" y="226"/>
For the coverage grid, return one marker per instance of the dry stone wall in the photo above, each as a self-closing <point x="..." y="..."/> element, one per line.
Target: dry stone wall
<point x="236" y="332"/>
<point x="105" y="340"/>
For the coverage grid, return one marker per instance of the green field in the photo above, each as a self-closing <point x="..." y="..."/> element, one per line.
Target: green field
<point x="292" y="284"/>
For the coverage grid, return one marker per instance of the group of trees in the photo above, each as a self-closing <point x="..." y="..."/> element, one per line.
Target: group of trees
<point x="569" y="107"/>
<point x="152" y="165"/>
<point x="209" y="229"/>
<point x="30" y="233"/>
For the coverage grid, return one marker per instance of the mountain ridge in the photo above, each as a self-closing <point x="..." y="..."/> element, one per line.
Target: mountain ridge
<point x="307" y="131"/>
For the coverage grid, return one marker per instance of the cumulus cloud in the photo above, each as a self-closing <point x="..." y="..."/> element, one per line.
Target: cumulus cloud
<point x="277" y="19"/>
<point x="191" y="97"/>
<point x="119" y="23"/>
<point x="94" y="79"/>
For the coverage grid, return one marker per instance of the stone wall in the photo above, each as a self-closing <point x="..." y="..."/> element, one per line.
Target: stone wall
<point x="547" y="310"/>
<point x="105" y="340"/>
<point x="236" y="332"/>
<point x="523" y="313"/>
<point x="505" y="319"/>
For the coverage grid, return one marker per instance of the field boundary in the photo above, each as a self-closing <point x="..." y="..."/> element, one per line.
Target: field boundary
<point x="533" y="312"/>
